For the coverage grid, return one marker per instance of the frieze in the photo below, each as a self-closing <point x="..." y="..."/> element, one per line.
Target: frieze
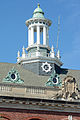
<point x="38" y="104"/>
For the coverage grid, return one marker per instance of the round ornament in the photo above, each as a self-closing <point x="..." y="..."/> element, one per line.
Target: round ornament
<point x="46" y="67"/>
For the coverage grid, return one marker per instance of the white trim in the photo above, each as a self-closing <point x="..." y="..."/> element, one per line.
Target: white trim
<point x="15" y="77"/>
<point x="33" y="61"/>
<point x="37" y="24"/>
<point x="56" y="82"/>
<point x="49" y="67"/>
<point x="39" y="20"/>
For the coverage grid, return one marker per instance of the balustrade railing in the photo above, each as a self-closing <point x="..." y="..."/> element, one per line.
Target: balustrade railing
<point x="36" y="54"/>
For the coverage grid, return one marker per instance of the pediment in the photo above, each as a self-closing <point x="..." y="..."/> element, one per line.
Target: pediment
<point x="13" y="77"/>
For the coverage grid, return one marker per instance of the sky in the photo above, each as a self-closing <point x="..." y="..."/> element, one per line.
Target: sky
<point x="13" y="31"/>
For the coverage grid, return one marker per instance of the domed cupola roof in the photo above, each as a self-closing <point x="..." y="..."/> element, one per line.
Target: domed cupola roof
<point x="38" y="13"/>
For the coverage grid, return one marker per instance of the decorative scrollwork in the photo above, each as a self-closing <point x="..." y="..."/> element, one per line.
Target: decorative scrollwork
<point x="69" y="89"/>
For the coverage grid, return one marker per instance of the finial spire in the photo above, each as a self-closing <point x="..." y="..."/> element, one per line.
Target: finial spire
<point x="52" y="52"/>
<point x="38" y="5"/>
<point x="52" y="49"/>
<point x="37" y="51"/>
<point x="37" y="47"/>
<point x="18" y="54"/>
<point x="58" y="54"/>
<point x="23" y="52"/>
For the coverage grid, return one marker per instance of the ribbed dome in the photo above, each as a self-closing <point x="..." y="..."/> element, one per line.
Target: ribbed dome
<point x="38" y="13"/>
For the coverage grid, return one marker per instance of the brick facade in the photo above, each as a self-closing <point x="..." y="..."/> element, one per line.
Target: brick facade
<point x="14" y="114"/>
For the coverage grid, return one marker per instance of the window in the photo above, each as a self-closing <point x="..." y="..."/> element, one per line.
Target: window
<point x="40" y="22"/>
<point x="43" y="22"/>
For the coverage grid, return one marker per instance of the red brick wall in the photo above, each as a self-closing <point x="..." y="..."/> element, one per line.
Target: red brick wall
<point x="12" y="114"/>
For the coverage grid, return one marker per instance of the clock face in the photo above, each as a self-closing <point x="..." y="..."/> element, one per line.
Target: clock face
<point x="46" y="67"/>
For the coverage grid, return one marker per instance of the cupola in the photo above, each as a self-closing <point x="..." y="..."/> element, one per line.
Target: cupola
<point x="39" y="54"/>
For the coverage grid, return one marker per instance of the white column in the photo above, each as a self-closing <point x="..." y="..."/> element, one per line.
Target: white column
<point x="29" y="36"/>
<point x="38" y="34"/>
<point x="44" y="35"/>
<point x="47" y="39"/>
<point x="32" y="35"/>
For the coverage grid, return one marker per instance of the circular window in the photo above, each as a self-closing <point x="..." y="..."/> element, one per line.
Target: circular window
<point x="55" y="80"/>
<point x="13" y="76"/>
<point x="46" y="67"/>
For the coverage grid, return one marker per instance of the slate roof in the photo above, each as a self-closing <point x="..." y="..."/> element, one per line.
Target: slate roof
<point x="32" y="79"/>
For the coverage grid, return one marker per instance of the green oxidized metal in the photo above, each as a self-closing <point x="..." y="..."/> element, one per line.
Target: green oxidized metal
<point x="38" y="13"/>
<point x="13" y="77"/>
<point x="54" y="80"/>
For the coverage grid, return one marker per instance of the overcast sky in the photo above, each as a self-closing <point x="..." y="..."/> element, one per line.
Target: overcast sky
<point x="13" y="31"/>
